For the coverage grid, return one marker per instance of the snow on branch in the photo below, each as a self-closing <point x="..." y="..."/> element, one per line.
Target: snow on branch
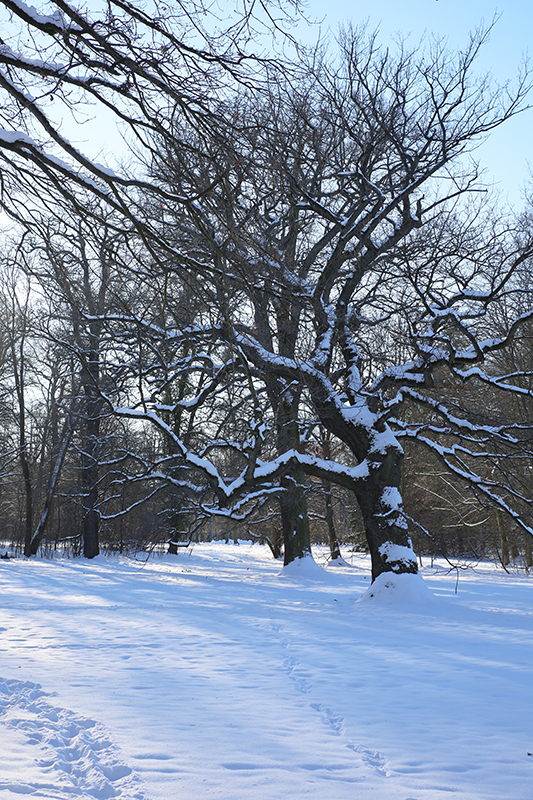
<point x="52" y="24"/>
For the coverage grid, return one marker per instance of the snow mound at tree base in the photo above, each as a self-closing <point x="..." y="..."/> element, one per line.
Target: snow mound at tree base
<point x="389" y="588"/>
<point x="338" y="562"/>
<point x="304" y="568"/>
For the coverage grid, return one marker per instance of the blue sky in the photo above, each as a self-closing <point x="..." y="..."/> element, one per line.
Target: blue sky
<point x="507" y="155"/>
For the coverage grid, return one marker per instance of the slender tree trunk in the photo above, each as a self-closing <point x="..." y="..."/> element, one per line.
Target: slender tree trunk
<point x="28" y="491"/>
<point x="504" y="543"/>
<point x="19" y="373"/>
<point x="529" y="552"/>
<point x="41" y="527"/>
<point x="90" y="520"/>
<point x="275" y="542"/>
<point x="334" y="546"/>
<point x="90" y="490"/>
<point x="90" y="470"/>
<point x="175" y="524"/>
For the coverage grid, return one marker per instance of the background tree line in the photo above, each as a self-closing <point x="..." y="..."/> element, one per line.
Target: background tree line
<point x="287" y="312"/>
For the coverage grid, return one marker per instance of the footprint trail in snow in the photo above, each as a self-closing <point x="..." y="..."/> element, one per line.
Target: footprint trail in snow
<point x="74" y="757"/>
<point x="373" y="759"/>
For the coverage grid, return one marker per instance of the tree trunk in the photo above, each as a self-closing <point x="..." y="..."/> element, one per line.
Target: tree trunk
<point x="334" y="545"/>
<point x="28" y="491"/>
<point x="529" y="552"/>
<point x="90" y="492"/>
<point x="41" y="527"/>
<point x="275" y="542"/>
<point x="293" y="502"/>
<point x="385" y="529"/>
<point x="20" y="377"/>
<point x="504" y="543"/>
<point x="374" y="446"/>
<point x="175" y="523"/>
<point x="285" y="401"/>
<point x="294" y="517"/>
<point x="90" y="526"/>
<point x="90" y="469"/>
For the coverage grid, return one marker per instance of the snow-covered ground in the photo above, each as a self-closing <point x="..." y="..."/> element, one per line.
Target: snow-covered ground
<point x="210" y="675"/>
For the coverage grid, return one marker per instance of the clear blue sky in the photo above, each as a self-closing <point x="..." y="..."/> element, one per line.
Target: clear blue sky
<point x="508" y="154"/>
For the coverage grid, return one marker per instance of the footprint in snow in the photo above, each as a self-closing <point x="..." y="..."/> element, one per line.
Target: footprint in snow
<point x="372" y="758"/>
<point x="329" y="717"/>
<point x="75" y="752"/>
<point x="291" y="666"/>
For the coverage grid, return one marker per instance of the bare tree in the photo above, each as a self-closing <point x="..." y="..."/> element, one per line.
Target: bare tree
<point x="17" y="323"/>
<point x="70" y="259"/>
<point x="33" y="388"/>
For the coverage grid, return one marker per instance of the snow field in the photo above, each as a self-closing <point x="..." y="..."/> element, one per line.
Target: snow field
<point x="212" y="675"/>
<point x="77" y="757"/>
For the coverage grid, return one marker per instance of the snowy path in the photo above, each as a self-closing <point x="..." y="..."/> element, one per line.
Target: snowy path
<point x="209" y="676"/>
<point x="75" y="754"/>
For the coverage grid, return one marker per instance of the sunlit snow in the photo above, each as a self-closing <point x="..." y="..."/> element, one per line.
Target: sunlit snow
<point x="219" y="674"/>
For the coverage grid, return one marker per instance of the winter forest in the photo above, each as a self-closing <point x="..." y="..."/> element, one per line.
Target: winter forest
<point x="294" y="313"/>
<point x="266" y="418"/>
